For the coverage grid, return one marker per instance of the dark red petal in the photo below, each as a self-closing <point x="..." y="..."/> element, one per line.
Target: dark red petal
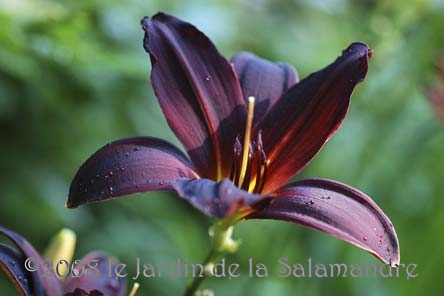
<point x="101" y="278"/>
<point x="80" y="292"/>
<point x="198" y="92"/>
<point x="264" y="80"/>
<point x="12" y="263"/>
<point x="310" y="112"/>
<point x="214" y="199"/>
<point x="47" y="285"/>
<point x="336" y="209"/>
<point x="129" y="166"/>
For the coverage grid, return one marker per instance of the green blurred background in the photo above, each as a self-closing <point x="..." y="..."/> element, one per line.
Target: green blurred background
<point x="74" y="76"/>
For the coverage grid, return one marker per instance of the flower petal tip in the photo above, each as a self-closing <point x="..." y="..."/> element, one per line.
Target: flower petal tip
<point x="144" y="22"/>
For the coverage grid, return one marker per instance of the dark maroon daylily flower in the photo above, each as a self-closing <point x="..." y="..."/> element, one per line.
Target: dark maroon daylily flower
<point x="45" y="283"/>
<point x="248" y="126"/>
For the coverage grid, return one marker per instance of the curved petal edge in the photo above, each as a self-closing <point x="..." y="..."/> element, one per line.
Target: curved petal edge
<point x="336" y="209"/>
<point x="309" y="113"/>
<point x="129" y="166"/>
<point x="198" y="91"/>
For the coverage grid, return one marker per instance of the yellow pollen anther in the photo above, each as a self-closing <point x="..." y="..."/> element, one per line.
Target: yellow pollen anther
<point x="250" y="113"/>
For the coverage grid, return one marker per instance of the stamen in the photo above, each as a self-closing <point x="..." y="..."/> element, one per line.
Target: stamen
<point x="237" y="151"/>
<point x="250" y="112"/>
<point x="261" y="164"/>
<point x="245" y="185"/>
<point x="263" y="172"/>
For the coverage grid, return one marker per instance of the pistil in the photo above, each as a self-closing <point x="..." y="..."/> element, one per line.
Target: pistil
<point x="246" y="151"/>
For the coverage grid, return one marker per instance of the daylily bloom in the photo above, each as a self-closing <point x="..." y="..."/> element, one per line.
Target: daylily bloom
<point x="248" y="126"/>
<point x="44" y="282"/>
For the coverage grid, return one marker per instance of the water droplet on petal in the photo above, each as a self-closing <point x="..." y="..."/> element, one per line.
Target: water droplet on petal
<point x="364" y="238"/>
<point x="207" y="78"/>
<point x="12" y="262"/>
<point x="161" y="183"/>
<point x="310" y="203"/>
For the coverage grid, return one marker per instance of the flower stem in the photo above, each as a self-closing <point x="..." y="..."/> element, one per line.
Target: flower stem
<point x="221" y="244"/>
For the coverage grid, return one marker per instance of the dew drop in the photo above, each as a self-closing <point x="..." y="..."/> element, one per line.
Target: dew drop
<point x="388" y="249"/>
<point x="310" y="203"/>
<point x="364" y="238"/>
<point x="111" y="173"/>
<point x="207" y="78"/>
<point x="12" y="262"/>
<point x="19" y="277"/>
<point x="161" y="183"/>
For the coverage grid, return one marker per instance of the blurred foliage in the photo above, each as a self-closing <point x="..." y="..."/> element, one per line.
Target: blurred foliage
<point x="74" y="76"/>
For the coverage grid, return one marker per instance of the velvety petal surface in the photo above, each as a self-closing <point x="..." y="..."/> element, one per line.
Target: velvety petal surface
<point x="217" y="199"/>
<point x="80" y="292"/>
<point x="12" y="263"/>
<point x="310" y="112"/>
<point x="262" y="79"/>
<point x="47" y="285"/>
<point x="102" y="282"/>
<point x="198" y="92"/>
<point x="336" y="209"/>
<point x="129" y="166"/>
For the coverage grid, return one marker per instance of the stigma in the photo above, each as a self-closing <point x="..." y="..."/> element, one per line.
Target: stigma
<point x="249" y="168"/>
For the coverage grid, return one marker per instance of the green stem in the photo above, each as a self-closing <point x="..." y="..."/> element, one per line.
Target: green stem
<point x="221" y="244"/>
